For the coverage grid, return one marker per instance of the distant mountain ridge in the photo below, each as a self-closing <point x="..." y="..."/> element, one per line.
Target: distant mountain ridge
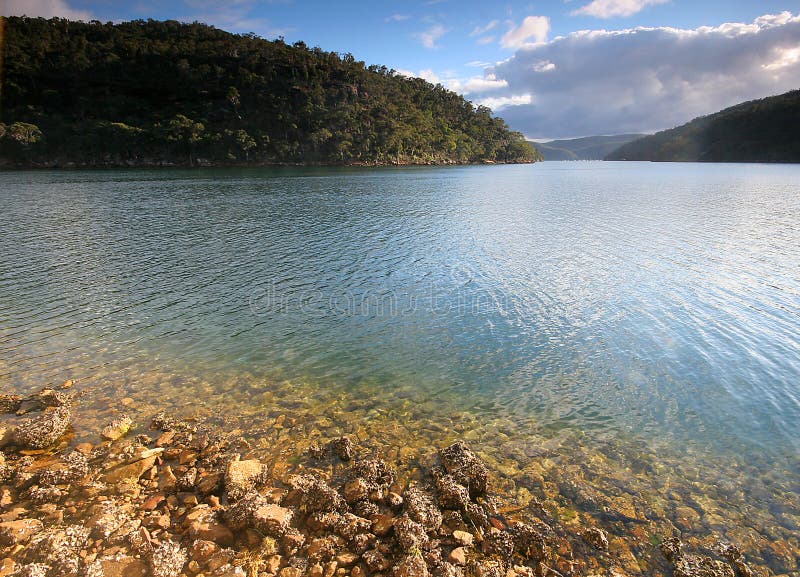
<point x="586" y="148"/>
<point x="766" y="130"/>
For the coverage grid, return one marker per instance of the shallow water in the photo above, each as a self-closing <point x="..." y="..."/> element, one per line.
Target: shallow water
<point x="657" y="300"/>
<point x="627" y="331"/>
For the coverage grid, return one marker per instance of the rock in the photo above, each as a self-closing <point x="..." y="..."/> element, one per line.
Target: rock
<point x="421" y="508"/>
<point x="19" y="531"/>
<point x="692" y="565"/>
<point x="9" y="403"/>
<point x="701" y="566"/>
<point x="316" y="496"/>
<point x="686" y="518"/>
<point x="382" y="524"/>
<point x="451" y="495"/>
<point x="210" y="531"/>
<point x="60" y="545"/>
<point x="355" y="490"/>
<point x="375" y="561"/>
<point x="529" y="542"/>
<point x="117" y="428"/>
<point x="272" y="520"/>
<point x="117" y="566"/>
<point x="42" y="431"/>
<point x="239" y="516"/>
<point x="410" y="535"/>
<point x="460" y="462"/>
<point x="242" y="477"/>
<point x="343" y="448"/>
<point x="374" y="471"/>
<point x="291" y="572"/>
<point x="458" y="556"/>
<point x="411" y="566"/>
<point x="596" y="537"/>
<point x="131" y="470"/>
<point x="462" y="537"/>
<point x="394" y="500"/>
<point x="491" y="568"/>
<point x="499" y="543"/>
<point x="734" y="555"/>
<point x="346" y="559"/>
<point x="168" y="559"/>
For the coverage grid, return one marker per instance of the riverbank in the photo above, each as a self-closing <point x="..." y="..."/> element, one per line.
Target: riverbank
<point x="56" y="164"/>
<point x="293" y="490"/>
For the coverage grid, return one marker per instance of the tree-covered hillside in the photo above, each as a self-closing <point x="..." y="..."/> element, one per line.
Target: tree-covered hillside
<point x="587" y="148"/>
<point x="766" y="130"/>
<point x="148" y="92"/>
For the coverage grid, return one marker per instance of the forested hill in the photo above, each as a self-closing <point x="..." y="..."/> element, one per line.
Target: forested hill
<point x="148" y="92"/>
<point x="587" y="148"/>
<point x="766" y="130"/>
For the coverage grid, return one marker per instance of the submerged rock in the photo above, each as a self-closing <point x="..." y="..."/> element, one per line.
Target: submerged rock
<point x="117" y="428"/>
<point x="343" y="448"/>
<point x="42" y="431"/>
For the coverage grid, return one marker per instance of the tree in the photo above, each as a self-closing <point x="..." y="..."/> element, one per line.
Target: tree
<point x="24" y="133"/>
<point x="187" y="132"/>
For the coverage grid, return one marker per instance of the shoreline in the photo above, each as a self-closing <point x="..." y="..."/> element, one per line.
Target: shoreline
<point x="286" y="496"/>
<point x="9" y="166"/>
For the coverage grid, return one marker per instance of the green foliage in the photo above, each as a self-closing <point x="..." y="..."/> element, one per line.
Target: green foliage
<point x="153" y="92"/>
<point x="759" y="131"/>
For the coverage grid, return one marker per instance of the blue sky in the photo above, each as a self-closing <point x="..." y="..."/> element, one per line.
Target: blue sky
<point x="552" y="68"/>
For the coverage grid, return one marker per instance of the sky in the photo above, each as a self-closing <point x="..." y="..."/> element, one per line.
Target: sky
<point x="550" y="68"/>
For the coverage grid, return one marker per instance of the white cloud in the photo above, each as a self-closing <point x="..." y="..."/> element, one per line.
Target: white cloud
<point x="532" y="27"/>
<point x="398" y="17"/>
<point x="485" y="40"/>
<point x="615" y="8"/>
<point x="480" y="30"/>
<point x="543" y="66"/>
<point x="43" y="8"/>
<point x="647" y="79"/>
<point x="476" y="84"/>
<point x="429" y="75"/>
<point x="497" y="103"/>
<point x="429" y="37"/>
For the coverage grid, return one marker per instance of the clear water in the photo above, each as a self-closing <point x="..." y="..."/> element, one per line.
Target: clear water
<point x="655" y="300"/>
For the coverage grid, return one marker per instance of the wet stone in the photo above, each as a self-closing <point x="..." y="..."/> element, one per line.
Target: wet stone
<point x="117" y="428"/>
<point x="343" y="448"/>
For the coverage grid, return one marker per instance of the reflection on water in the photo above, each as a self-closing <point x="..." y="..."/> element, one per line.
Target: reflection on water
<point x="658" y="299"/>
<point x="636" y="325"/>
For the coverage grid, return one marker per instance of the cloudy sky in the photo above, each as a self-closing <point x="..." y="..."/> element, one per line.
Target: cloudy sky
<point x="551" y="68"/>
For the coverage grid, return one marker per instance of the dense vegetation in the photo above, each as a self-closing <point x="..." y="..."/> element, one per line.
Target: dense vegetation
<point x="587" y="148"/>
<point x="766" y="130"/>
<point x="148" y="92"/>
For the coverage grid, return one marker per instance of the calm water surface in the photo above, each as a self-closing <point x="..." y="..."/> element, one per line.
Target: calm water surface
<point x="661" y="301"/>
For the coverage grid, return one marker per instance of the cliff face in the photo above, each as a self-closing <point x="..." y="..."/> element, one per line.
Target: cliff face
<point x="148" y="92"/>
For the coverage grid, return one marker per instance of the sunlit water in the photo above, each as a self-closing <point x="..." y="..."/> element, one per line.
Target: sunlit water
<point x="655" y="301"/>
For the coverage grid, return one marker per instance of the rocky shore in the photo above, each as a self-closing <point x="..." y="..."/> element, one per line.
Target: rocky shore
<point x="184" y="497"/>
